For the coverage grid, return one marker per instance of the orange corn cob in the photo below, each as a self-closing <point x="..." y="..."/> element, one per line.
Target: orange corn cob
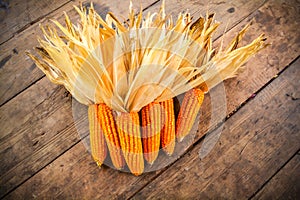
<point x="108" y="126"/>
<point x="151" y="122"/>
<point x="168" y="131"/>
<point x="98" y="146"/>
<point x="188" y="112"/>
<point x="130" y="139"/>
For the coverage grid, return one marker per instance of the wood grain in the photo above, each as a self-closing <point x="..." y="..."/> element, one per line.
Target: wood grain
<point x="255" y="143"/>
<point x="128" y="185"/>
<point x="23" y="139"/>
<point x="16" y="15"/>
<point x="285" y="184"/>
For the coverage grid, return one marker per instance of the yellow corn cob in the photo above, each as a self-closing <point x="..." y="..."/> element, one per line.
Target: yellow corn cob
<point x="151" y="122"/>
<point x="130" y="139"/>
<point x="168" y="131"/>
<point x="188" y="112"/>
<point x="98" y="146"/>
<point x="108" y="126"/>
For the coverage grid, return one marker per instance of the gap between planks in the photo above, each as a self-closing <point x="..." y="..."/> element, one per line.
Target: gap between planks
<point x="289" y="175"/>
<point x="275" y="174"/>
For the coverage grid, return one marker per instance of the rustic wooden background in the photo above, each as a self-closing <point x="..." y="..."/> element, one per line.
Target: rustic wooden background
<point x="256" y="157"/>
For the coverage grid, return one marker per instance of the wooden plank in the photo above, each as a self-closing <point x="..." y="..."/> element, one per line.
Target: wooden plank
<point x="285" y="184"/>
<point x="16" y="15"/>
<point x="17" y="71"/>
<point x="133" y="183"/>
<point x="26" y="73"/>
<point x="255" y="143"/>
<point x="23" y="139"/>
<point x="34" y="131"/>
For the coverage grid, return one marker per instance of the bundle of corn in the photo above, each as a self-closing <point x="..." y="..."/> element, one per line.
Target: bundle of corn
<point x="132" y="70"/>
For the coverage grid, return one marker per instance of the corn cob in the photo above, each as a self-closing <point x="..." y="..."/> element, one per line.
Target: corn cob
<point x="130" y="139"/>
<point x="168" y="130"/>
<point x="98" y="146"/>
<point x="188" y="112"/>
<point x="108" y="126"/>
<point x="151" y="128"/>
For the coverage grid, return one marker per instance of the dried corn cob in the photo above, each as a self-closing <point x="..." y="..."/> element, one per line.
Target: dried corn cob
<point x="108" y="126"/>
<point x="131" y="143"/>
<point x="188" y="112"/>
<point x="151" y="122"/>
<point x="98" y="146"/>
<point x="168" y="131"/>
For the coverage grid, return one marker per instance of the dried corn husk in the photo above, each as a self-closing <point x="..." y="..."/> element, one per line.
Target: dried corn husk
<point x="108" y="61"/>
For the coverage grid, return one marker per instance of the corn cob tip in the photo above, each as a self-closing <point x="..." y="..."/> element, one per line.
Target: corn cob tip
<point x="99" y="164"/>
<point x="169" y="150"/>
<point x="150" y="158"/>
<point x="137" y="173"/>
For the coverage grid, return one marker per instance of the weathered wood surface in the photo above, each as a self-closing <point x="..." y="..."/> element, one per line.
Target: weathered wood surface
<point x="255" y="143"/>
<point x="42" y="143"/>
<point x="285" y="184"/>
<point x="16" y="15"/>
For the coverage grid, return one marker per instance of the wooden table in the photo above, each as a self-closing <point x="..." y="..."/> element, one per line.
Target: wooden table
<point x="257" y="155"/>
